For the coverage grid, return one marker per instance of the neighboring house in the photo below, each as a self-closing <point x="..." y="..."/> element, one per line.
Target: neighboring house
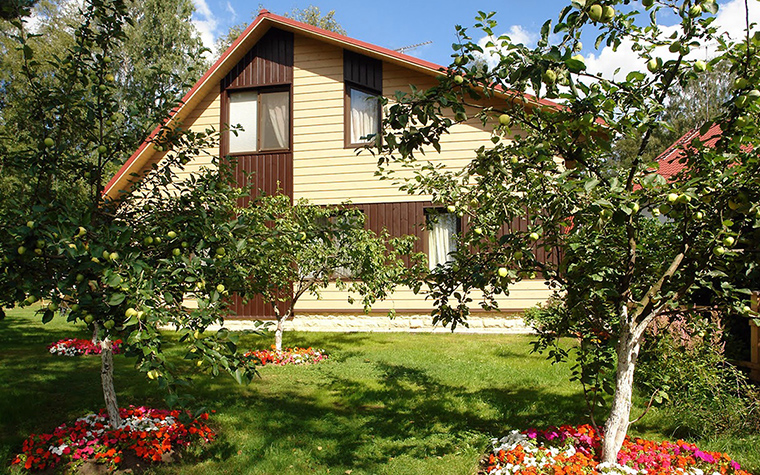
<point x="304" y="97"/>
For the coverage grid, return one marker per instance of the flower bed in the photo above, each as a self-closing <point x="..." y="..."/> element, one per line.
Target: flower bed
<point x="569" y="450"/>
<point x="288" y="356"/>
<point x="149" y="434"/>
<point x="79" y="347"/>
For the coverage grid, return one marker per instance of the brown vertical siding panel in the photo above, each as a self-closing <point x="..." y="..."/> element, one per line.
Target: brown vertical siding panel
<point x="268" y="63"/>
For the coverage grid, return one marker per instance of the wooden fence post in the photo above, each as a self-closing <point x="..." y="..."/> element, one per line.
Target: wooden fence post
<point x="755" y="340"/>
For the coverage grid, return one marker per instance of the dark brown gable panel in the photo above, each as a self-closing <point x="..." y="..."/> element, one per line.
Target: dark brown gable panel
<point x="268" y="63"/>
<point x="363" y="71"/>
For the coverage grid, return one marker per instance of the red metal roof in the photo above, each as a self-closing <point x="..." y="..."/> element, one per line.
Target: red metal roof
<point x="672" y="160"/>
<point x="265" y="17"/>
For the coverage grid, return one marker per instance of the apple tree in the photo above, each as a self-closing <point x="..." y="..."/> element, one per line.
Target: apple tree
<point x="305" y="248"/>
<point x="125" y="267"/>
<point x="554" y="123"/>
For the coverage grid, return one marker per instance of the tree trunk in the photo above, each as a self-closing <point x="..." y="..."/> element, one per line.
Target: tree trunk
<point x="278" y="332"/>
<point x="106" y="378"/>
<point x="616" y="426"/>
<point x="94" y="333"/>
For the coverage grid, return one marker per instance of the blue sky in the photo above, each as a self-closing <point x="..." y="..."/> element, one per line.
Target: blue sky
<point x="397" y="23"/>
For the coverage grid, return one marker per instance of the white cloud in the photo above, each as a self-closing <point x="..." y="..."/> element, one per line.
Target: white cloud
<point x="206" y="23"/>
<point x="231" y="11"/>
<point x="730" y="22"/>
<point x="516" y="33"/>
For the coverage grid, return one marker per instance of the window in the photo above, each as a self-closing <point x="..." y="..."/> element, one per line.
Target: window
<point x="442" y="237"/>
<point x="363" y="119"/>
<point x="265" y="118"/>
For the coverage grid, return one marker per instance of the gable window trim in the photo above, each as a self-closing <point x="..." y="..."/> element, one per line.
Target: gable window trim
<point x="227" y="121"/>
<point x="348" y="116"/>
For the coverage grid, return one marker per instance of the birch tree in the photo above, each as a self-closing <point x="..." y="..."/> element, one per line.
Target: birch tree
<point x="547" y="165"/>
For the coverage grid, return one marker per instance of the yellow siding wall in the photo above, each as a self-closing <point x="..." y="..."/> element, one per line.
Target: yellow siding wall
<point x="324" y="171"/>
<point x="523" y="295"/>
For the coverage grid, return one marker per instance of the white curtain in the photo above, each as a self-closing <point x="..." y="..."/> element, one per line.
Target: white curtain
<point x="442" y="230"/>
<point x="276" y="129"/>
<point x="364" y="115"/>
<point x="243" y="111"/>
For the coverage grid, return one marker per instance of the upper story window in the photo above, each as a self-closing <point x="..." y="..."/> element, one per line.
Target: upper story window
<point x="442" y="236"/>
<point x="364" y="116"/>
<point x="363" y="77"/>
<point x="265" y="118"/>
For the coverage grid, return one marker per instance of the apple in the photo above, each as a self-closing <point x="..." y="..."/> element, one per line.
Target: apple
<point x="199" y="363"/>
<point x="52" y="306"/>
<point x="171" y="235"/>
<point x="38" y="251"/>
<point x="95" y="260"/>
<point x="109" y="324"/>
<point x="514" y="160"/>
<point x="505" y="120"/>
<point x="49" y="142"/>
<point x="672" y="197"/>
<point x="109" y="77"/>
<point x="478" y="230"/>
<point x="578" y="57"/>
<point x="606" y="213"/>
<point x="451" y="209"/>
<point x="460" y="116"/>
<point x="157" y="240"/>
<point x="140" y="315"/>
<point x="746" y="309"/>
<point x="595" y="12"/>
<point x="220" y="288"/>
<point x="106" y="59"/>
<point x="30" y="224"/>
<point x="458" y="79"/>
<point x="503" y="272"/>
<point x="79" y="278"/>
<point x="21" y="250"/>
<point x="741" y="101"/>
<point x="719" y="251"/>
<point x="654" y="64"/>
<point x="152" y="374"/>
<point x="699" y="215"/>
<point x="608" y="13"/>
<point x="741" y="121"/>
<point x="106" y="254"/>
<point x="74" y="308"/>
<point x="102" y="149"/>
<point x="89" y="319"/>
<point x="700" y="66"/>
<point x="683" y="198"/>
<point x="728" y="241"/>
<point x="40" y="244"/>
<point x="184" y="244"/>
<point x="655" y="212"/>
<point x="148" y="241"/>
<point x="130" y="312"/>
<point x="740" y="83"/>
<point x="577" y="47"/>
<point x="517" y="255"/>
<point x="176" y="252"/>
<point x="114" y="256"/>
<point x="197" y="334"/>
<point x="549" y="77"/>
<point x="647" y="3"/>
<point x="635" y="207"/>
<point x="534" y="236"/>
<point x="220" y="251"/>
<point x="695" y="11"/>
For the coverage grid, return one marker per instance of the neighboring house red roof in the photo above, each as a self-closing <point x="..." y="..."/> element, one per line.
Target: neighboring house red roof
<point x="673" y="159"/>
<point x="240" y="46"/>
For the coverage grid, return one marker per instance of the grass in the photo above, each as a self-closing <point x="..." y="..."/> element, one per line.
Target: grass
<point x="382" y="403"/>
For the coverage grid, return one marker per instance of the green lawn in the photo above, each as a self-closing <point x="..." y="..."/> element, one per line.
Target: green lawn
<point x="382" y="404"/>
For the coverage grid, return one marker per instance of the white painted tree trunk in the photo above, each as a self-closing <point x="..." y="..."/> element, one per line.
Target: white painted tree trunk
<point x="94" y="333"/>
<point x="616" y="426"/>
<point x="278" y="332"/>
<point x="106" y="378"/>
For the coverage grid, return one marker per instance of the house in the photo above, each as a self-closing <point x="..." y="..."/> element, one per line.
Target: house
<point x="304" y="97"/>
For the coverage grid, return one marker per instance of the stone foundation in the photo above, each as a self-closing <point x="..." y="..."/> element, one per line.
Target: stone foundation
<point x="401" y="323"/>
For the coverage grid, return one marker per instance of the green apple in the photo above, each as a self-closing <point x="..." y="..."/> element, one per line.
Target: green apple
<point x="106" y="254"/>
<point x="157" y="240"/>
<point x="534" y="236"/>
<point x="478" y="230"/>
<point x="740" y="83"/>
<point x="741" y="101"/>
<point x="514" y="160"/>
<point x="220" y="251"/>
<point x="184" y="244"/>
<point x="148" y="241"/>
<point x="684" y="198"/>
<point x="695" y="11"/>
<point x="176" y="252"/>
<point x="89" y="319"/>
<point x="21" y="250"/>
<point x="30" y="224"/>
<point x="458" y="79"/>
<point x="74" y="308"/>
<point x="517" y="255"/>
<point x="700" y="66"/>
<point x="595" y="12"/>
<point x="728" y="241"/>
<point x="741" y="121"/>
<point x="719" y="251"/>
<point x="647" y="3"/>
<point x="503" y="272"/>
<point x="109" y="77"/>
<point x="672" y="197"/>
<point x="38" y="251"/>
<point x="95" y="260"/>
<point x="79" y="278"/>
<point x="49" y="142"/>
<point x="460" y="116"/>
<point x="699" y="215"/>
<point x="109" y="324"/>
<point x="171" y="235"/>
<point x="114" y="256"/>
<point x="654" y="64"/>
<point x="549" y="77"/>
<point x="153" y="374"/>
<point x="199" y="363"/>
<point x="608" y="13"/>
<point x="505" y="120"/>
<point x="220" y="288"/>
<point x="52" y="306"/>
<point x="451" y="209"/>
<point x="40" y="244"/>
<point x="102" y="149"/>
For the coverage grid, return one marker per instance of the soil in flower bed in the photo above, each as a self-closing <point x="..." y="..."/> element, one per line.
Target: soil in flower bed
<point x="288" y="356"/>
<point x="89" y="445"/>
<point x="79" y="347"/>
<point x="577" y="450"/>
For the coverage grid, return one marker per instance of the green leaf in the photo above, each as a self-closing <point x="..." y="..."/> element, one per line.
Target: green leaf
<point x="116" y="299"/>
<point x="47" y="316"/>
